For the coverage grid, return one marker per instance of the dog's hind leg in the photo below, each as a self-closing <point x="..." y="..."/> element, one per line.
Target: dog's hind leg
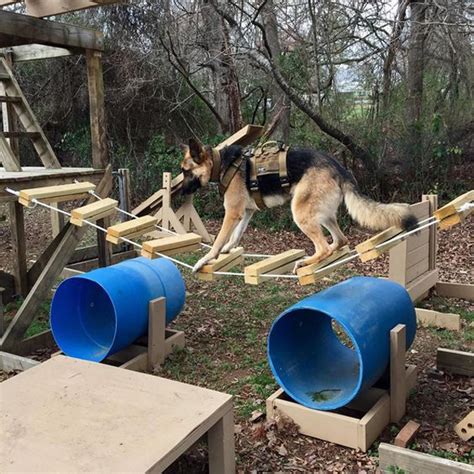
<point x="338" y="238"/>
<point x="239" y="231"/>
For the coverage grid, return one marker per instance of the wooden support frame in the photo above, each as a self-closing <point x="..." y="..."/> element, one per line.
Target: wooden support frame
<point x="396" y="459"/>
<point x="378" y="407"/>
<point x="17" y="229"/>
<point x="307" y="275"/>
<point x="149" y="352"/>
<point x="223" y="263"/>
<point x="455" y="362"/>
<point x="50" y="270"/>
<point x="275" y="265"/>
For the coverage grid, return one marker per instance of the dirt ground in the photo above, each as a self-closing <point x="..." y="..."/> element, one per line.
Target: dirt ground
<point x="226" y="324"/>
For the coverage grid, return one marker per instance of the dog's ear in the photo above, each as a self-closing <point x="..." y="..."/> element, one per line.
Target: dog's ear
<point x="195" y="149"/>
<point x="184" y="148"/>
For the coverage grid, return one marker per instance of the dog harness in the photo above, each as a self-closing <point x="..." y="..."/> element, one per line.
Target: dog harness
<point x="267" y="159"/>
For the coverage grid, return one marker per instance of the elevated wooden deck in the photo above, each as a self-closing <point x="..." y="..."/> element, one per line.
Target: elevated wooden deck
<point x="37" y="176"/>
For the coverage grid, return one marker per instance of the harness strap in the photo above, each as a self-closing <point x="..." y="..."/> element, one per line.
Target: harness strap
<point x="216" y="165"/>
<point x="283" y="170"/>
<point x="254" y="188"/>
<point x="230" y="172"/>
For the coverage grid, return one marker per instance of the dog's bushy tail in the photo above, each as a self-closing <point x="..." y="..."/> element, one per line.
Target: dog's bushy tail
<point x="375" y="215"/>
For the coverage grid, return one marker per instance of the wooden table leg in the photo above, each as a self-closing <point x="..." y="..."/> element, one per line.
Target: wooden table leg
<point x="221" y="446"/>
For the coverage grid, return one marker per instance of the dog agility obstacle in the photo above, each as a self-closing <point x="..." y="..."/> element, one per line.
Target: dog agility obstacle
<point x="275" y="266"/>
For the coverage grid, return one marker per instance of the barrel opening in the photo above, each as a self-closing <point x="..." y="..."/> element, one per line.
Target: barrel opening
<point x="89" y="330"/>
<point x="316" y="365"/>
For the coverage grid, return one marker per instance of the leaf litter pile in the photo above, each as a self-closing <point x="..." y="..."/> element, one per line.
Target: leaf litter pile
<point x="226" y="324"/>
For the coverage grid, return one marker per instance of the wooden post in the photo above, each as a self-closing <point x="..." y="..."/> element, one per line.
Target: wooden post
<point x="97" y="113"/>
<point x="124" y="191"/>
<point x="398" y="391"/>
<point x="57" y="220"/>
<point x="156" y="333"/>
<point x="220" y="439"/>
<point x="104" y="248"/>
<point x="433" y="239"/>
<point x="17" y="229"/>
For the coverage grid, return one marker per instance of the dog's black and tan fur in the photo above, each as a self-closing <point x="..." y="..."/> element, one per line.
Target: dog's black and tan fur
<point x="318" y="185"/>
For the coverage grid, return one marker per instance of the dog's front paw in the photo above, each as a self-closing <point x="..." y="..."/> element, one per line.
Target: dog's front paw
<point x="299" y="264"/>
<point x="227" y="248"/>
<point x="201" y="263"/>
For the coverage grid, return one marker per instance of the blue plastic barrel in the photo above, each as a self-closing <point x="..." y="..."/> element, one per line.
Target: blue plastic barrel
<point x="320" y="370"/>
<point x="101" y="312"/>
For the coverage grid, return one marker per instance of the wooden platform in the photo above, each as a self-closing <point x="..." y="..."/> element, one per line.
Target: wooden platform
<point x="36" y="176"/>
<point x="68" y="415"/>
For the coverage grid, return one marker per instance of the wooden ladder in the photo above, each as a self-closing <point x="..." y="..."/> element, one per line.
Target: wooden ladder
<point x="14" y="103"/>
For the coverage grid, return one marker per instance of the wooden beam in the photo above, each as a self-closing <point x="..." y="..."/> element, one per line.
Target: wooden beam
<point x="40" y="8"/>
<point x="17" y="230"/>
<point x="224" y="262"/>
<point x="95" y="79"/>
<point x="465" y="428"/>
<point x="56" y="193"/>
<point x="454" y="206"/>
<point x="34" y="52"/>
<point x="429" y="318"/>
<point x="8" y="159"/>
<point x="455" y="362"/>
<point x="395" y="459"/>
<point x="285" y="260"/>
<point x="96" y="210"/>
<point x="19" y="29"/>
<point x="406" y="434"/>
<point x="11" y="340"/>
<point x="455" y="290"/>
<point x="135" y="227"/>
<point x="171" y="243"/>
<point x="398" y="391"/>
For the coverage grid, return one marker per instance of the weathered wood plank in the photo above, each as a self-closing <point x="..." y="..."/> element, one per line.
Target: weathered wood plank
<point x="455" y="362"/>
<point x="33" y="52"/>
<point x="60" y="7"/>
<point x="26" y="29"/>
<point x="169" y="243"/>
<point x="429" y="318"/>
<point x="455" y="290"/>
<point x="18" y="239"/>
<point x="56" y="192"/>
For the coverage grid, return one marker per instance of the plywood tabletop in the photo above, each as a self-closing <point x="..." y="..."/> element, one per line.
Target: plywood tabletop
<point x="71" y="415"/>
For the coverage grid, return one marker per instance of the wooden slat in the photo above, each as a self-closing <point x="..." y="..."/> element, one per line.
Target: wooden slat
<point x="430" y="318"/>
<point x="272" y="263"/>
<point x="6" y="98"/>
<point x="421" y="210"/>
<point x="138" y="233"/>
<point x="307" y="275"/>
<point x="245" y="136"/>
<point x="171" y="252"/>
<point x="34" y="52"/>
<point x="21" y="134"/>
<point x="398" y="391"/>
<point x="374" y="422"/>
<point x="417" y="270"/>
<point x="60" y="7"/>
<point x="453" y="206"/>
<point x="85" y="212"/>
<point x="223" y="263"/>
<point x="406" y="434"/>
<point x="455" y="362"/>
<point x="56" y="191"/>
<point x="433" y="239"/>
<point x="455" y="219"/>
<point x="18" y="250"/>
<point x="24" y="29"/>
<point x="422" y="284"/>
<point x="415" y="241"/>
<point x="94" y="218"/>
<point x="134" y="225"/>
<point x="283" y="270"/>
<point x="377" y="239"/>
<point x="169" y="243"/>
<point x="396" y="459"/>
<point x="417" y="255"/>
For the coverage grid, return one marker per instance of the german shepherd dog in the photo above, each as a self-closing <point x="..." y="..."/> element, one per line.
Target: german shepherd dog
<point x="318" y="185"/>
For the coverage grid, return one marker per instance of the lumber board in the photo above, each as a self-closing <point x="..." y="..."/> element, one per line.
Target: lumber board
<point x="374" y="422"/>
<point x="417" y="270"/>
<point x="378" y="239"/>
<point x="171" y="252"/>
<point x="272" y="263"/>
<point x="129" y="227"/>
<point x="455" y="219"/>
<point x="94" y="218"/>
<point x="465" y="428"/>
<point x="245" y="136"/>
<point x="8" y="159"/>
<point x="415" y="241"/>
<point x="455" y="290"/>
<point x="18" y="240"/>
<point x="398" y="390"/>
<point x="11" y="340"/>
<point x="418" y="255"/>
<point x="93" y="209"/>
<point x="307" y="275"/>
<point x="406" y="434"/>
<point x="454" y="206"/>
<point x="433" y="239"/>
<point x="283" y="270"/>
<point x="430" y="318"/>
<point x="222" y="260"/>
<point x="169" y="243"/>
<point x="34" y="52"/>
<point x="60" y="7"/>
<point x="421" y="210"/>
<point x="56" y="192"/>
<point x="455" y="362"/>
<point x="138" y="233"/>
<point x="24" y="29"/>
<point x="395" y="459"/>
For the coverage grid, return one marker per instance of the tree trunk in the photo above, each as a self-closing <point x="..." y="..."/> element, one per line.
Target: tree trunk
<point x="221" y="62"/>
<point x="279" y="99"/>
<point x="415" y="80"/>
